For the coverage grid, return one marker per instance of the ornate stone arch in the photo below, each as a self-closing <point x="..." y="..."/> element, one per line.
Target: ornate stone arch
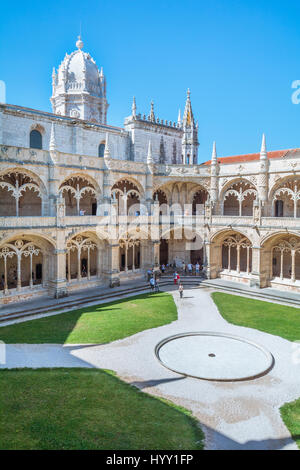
<point x="27" y="249"/>
<point x="80" y="192"/>
<point x="281" y="252"/>
<point x="19" y="184"/>
<point x="286" y="189"/>
<point x="242" y="193"/>
<point x="85" y="176"/>
<point x="131" y="180"/>
<point x="234" y="181"/>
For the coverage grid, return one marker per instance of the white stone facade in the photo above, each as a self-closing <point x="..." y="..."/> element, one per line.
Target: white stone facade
<point x="83" y="203"/>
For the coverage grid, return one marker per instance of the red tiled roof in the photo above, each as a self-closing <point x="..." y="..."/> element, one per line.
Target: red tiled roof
<point x="252" y="156"/>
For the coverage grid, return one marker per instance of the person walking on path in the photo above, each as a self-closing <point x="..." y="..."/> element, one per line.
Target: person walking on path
<point x="180" y="290"/>
<point x="152" y="283"/>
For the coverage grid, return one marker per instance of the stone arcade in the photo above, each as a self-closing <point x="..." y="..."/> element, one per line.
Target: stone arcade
<point x="68" y="180"/>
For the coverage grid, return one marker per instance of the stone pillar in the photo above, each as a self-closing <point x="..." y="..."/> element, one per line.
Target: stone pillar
<point x="256" y="278"/>
<point x="213" y="259"/>
<point x="112" y="273"/>
<point x="58" y="283"/>
<point x="256" y="212"/>
<point x="57" y="268"/>
<point x="156" y="254"/>
<point x="53" y="180"/>
<point x="266" y="266"/>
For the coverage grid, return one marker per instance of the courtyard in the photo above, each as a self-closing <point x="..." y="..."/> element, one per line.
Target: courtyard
<point x="71" y="350"/>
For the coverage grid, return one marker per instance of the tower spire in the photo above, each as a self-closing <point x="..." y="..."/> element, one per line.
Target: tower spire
<point x="190" y="134"/>
<point x="188" y="118"/>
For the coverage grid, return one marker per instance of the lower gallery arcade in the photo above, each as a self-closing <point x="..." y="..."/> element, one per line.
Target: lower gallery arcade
<point x="30" y="264"/>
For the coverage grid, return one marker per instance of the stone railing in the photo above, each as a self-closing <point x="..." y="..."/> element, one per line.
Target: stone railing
<point x="27" y="222"/>
<point x="232" y="220"/>
<point x="21" y="154"/>
<point x="280" y="223"/>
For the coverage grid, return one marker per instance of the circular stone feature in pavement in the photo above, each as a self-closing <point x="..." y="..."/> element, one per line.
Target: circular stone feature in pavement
<point x="234" y="358"/>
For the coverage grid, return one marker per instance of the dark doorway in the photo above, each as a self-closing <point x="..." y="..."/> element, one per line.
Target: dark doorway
<point x="279" y="208"/>
<point x="94" y="208"/>
<point x="197" y="255"/>
<point x="164" y="251"/>
<point x="38" y="272"/>
<point x="122" y="267"/>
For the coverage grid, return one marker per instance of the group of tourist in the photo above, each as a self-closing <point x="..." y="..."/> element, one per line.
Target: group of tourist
<point x="153" y="279"/>
<point x="185" y="268"/>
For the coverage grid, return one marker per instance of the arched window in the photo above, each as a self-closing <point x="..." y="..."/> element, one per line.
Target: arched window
<point x="35" y="140"/>
<point x="101" y="149"/>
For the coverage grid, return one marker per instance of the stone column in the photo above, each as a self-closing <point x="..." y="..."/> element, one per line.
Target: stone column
<point x="256" y="278"/>
<point x="112" y="271"/>
<point x="57" y="282"/>
<point x="53" y="181"/>
<point x="293" y="276"/>
<point x="214" y="259"/>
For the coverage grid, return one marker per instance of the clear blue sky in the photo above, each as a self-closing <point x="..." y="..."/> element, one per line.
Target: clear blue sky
<point x="239" y="58"/>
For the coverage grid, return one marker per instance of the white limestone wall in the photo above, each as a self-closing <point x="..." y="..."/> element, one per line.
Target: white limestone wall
<point x="141" y="136"/>
<point x="70" y="136"/>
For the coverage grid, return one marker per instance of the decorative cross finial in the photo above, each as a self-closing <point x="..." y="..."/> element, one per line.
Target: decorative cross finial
<point x="79" y="43"/>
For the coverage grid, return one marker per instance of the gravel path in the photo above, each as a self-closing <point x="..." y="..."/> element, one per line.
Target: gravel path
<point x="234" y="415"/>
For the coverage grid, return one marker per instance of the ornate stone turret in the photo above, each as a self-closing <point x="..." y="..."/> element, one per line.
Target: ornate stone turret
<point x="152" y="115"/>
<point x="179" y="118"/>
<point x="149" y="155"/>
<point x="263" y="176"/>
<point x="214" y="173"/>
<point x="190" y="134"/>
<point x="133" y="108"/>
<point x="79" y="88"/>
<point x="52" y="144"/>
<point x="106" y="150"/>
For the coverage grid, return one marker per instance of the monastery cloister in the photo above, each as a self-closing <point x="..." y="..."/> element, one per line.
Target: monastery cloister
<point x="75" y="228"/>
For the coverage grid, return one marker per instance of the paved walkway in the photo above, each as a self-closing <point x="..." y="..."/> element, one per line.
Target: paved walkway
<point x="240" y="415"/>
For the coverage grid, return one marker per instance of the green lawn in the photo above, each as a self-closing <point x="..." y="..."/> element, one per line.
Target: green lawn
<point x="98" y="324"/>
<point x="271" y="318"/>
<point x="290" y="413"/>
<point x="88" y="409"/>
